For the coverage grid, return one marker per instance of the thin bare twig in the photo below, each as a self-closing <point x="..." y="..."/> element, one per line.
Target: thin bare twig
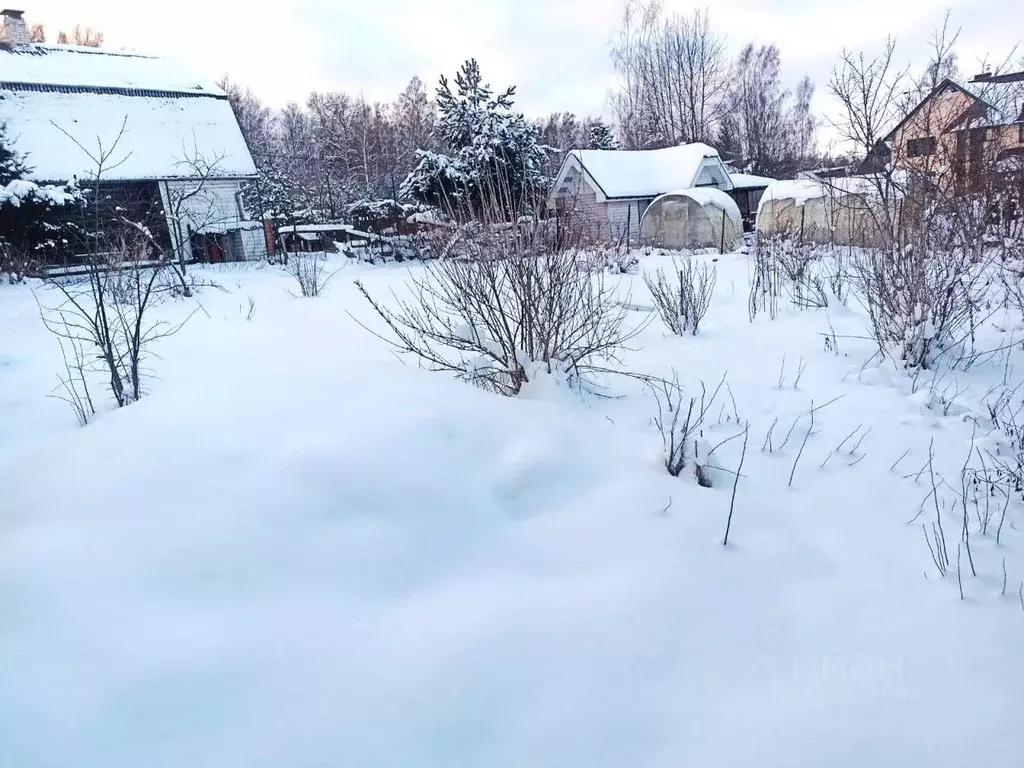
<point x="800" y="453"/>
<point x="735" y="484"/>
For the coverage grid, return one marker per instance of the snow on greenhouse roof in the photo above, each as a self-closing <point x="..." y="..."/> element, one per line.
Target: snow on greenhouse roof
<point x="62" y="104"/>
<point x="705" y="196"/>
<point x="802" y="190"/>
<point x="648" y="172"/>
<point x="799" y="190"/>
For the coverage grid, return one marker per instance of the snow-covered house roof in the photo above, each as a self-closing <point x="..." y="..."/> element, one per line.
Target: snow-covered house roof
<point x="64" y="105"/>
<point x="630" y="174"/>
<point x="749" y="180"/>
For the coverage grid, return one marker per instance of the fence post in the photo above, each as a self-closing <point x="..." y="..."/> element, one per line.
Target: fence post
<point x="721" y="245"/>
<point x="803" y="214"/>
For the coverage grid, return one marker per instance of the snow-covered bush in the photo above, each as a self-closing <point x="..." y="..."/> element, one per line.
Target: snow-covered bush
<point x="383" y="216"/>
<point x="616" y="261"/>
<point x="1001" y="467"/>
<point x="683" y="299"/>
<point x="504" y="307"/>
<point x="418" y="247"/>
<point x="921" y="299"/>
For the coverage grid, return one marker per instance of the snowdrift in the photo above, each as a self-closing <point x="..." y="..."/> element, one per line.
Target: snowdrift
<point x="296" y="551"/>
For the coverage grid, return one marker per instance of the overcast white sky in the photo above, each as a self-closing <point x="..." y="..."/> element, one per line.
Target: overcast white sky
<point x="555" y="51"/>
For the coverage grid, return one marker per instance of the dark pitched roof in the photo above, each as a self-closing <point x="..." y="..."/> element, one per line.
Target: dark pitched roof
<point x="940" y="88"/>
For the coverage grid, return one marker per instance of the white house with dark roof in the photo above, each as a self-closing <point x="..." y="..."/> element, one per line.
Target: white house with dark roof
<point x="169" y="139"/>
<point x="609" y="190"/>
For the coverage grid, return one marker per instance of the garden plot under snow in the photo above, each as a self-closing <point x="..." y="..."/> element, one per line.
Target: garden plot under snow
<point x="296" y="550"/>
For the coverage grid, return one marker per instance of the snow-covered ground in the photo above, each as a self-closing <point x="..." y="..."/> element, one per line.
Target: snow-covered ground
<point x="298" y="551"/>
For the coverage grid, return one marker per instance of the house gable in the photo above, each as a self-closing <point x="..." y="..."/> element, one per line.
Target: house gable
<point x="572" y="178"/>
<point x="928" y="104"/>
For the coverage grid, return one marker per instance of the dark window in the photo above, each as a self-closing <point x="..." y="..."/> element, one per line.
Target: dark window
<point x="921" y="147"/>
<point x="1020" y="133"/>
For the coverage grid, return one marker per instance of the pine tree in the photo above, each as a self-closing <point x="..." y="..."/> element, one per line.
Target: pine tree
<point x="601" y="136"/>
<point x="11" y="164"/>
<point x="28" y="225"/>
<point x="488" y="150"/>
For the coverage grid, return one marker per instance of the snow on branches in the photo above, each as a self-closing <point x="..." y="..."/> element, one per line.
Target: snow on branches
<point x="486" y="146"/>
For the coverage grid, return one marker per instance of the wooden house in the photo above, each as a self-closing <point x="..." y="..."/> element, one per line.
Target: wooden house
<point x="956" y="129"/>
<point x="144" y="136"/>
<point x="606" y="192"/>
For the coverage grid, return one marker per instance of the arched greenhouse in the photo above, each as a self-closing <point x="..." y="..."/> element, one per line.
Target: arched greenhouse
<point x="702" y="217"/>
<point x="837" y="212"/>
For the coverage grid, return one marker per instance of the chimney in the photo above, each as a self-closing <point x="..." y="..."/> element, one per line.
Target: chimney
<point x="14" y="29"/>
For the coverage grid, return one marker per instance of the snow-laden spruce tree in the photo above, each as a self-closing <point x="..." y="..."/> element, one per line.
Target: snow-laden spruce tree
<point x="29" y="226"/>
<point x="271" y="194"/>
<point x="11" y="164"/>
<point x="486" y="149"/>
<point x="601" y="136"/>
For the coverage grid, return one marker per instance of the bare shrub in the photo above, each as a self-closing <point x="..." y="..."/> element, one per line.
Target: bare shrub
<point x="811" y="275"/>
<point x="766" y="283"/>
<point x="1011" y="272"/>
<point x="927" y="220"/>
<point x="683" y="299"/>
<point x="921" y="299"/>
<point x="73" y="388"/>
<point x="837" y="275"/>
<point x="680" y="421"/>
<point x="508" y="304"/>
<point x="107" y="311"/>
<point x="995" y="479"/>
<point x="310" y="272"/>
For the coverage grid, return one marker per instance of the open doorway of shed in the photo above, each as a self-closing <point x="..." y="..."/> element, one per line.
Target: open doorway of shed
<point x="212" y="248"/>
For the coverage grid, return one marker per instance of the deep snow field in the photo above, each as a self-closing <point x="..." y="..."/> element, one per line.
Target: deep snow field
<point x="299" y="551"/>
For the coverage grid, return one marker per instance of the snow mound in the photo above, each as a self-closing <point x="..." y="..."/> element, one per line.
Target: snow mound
<point x="296" y="551"/>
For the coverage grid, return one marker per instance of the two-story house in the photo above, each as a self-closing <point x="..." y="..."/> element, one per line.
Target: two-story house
<point x="958" y="131"/>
